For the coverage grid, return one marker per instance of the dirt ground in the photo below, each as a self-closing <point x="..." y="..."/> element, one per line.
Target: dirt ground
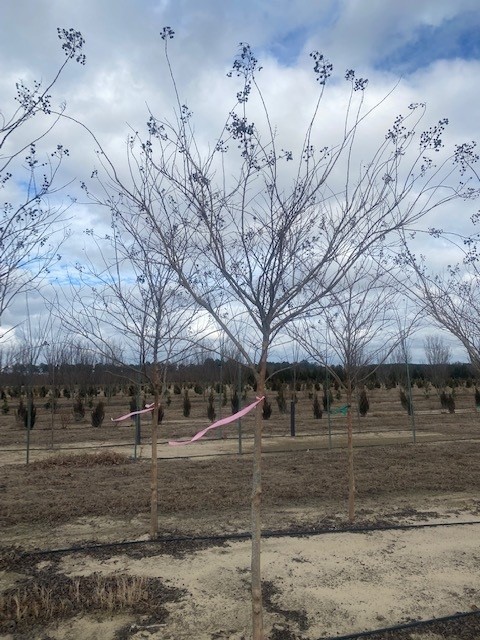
<point x="321" y="579"/>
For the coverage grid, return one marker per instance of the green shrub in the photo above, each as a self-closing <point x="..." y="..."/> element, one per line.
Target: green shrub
<point x="161" y="414"/>
<point x="21" y="411"/>
<point x="187" y="405"/>
<point x="363" y="403"/>
<point x="30" y="415"/>
<point x="51" y="403"/>
<point x="133" y="404"/>
<point x="78" y="409"/>
<point x="281" y="401"/>
<point x="405" y="402"/>
<point x="98" y="415"/>
<point x="266" y="409"/>
<point x="327" y="399"/>
<point x="235" y="402"/>
<point x="444" y="401"/>
<point x="211" y="407"/>
<point x="450" y="404"/>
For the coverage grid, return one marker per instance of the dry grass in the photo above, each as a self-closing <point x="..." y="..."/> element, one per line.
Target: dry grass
<point x="50" y="596"/>
<point x="104" y="458"/>
<point x="44" y="493"/>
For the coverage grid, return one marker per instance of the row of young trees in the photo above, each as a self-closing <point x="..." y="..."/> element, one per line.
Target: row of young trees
<point x="242" y="241"/>
<point x="27" y="414"/>
<point x="320" y="403"/>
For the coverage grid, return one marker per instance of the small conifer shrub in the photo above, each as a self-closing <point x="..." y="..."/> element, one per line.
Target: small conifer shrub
<point x="78" y="409"/>
<point x="235" y="402"/>
<point x="98" y="415"/>
<point x="266" y="409"/>
<point x="317" y="408"/>
<point x="211" y="407"/>
<point x="363" y="403"/>
<point x="187" y="405"/>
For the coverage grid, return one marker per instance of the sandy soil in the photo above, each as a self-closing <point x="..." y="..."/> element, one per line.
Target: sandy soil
<point x="315" y="587"/>
<point x="320" y="586"/>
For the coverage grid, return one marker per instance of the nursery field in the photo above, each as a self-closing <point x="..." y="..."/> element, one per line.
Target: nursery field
<point x="412" y="553"/>
<point x="385" y="419"/>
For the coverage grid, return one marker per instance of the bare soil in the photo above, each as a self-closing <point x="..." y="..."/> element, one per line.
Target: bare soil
<point x="316" y="585"/>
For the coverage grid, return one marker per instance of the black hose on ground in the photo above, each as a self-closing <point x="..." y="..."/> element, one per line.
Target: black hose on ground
<point x="406" y="625"/>
<point x="243" y="535"/>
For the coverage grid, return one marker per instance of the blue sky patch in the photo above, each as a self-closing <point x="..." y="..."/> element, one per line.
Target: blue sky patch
<point x="287" y="49"/>
<point x="456" y="38"/>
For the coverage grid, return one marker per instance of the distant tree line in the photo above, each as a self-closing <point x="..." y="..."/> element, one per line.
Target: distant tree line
<point x="210" y="371"/>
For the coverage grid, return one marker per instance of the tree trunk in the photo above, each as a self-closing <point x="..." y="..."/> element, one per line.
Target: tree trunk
<point x="154" y="469"/>
<point x="351" y="471"/>
<point x="257" y="607"/>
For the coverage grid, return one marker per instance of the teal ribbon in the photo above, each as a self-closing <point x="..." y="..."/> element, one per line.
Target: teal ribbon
<point x="343" y="410"/>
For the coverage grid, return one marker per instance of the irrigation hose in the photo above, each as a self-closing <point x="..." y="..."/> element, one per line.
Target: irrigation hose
<point x="400" y="627"/>
<point x="235" y="453"/>
<point x="291" y="533"/>
<point x="243" y="535"/>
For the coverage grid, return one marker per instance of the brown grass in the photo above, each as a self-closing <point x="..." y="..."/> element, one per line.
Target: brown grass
<point x="103" y="458"/>
<point x="46" y="493"/>
<point x="50" y="596"/>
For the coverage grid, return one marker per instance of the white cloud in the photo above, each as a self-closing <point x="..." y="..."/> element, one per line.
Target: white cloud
<point x="125" y="70"/>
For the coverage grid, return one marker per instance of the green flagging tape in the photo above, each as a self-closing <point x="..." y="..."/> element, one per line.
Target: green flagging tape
<point x="343" y="410"/>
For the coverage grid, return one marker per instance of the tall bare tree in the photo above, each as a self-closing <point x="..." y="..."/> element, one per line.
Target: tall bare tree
<point x="258" y="233"/>
<point x="358" y="330"/>
<point x="125" y="291"/>
<point x="450" y="297"/>
<point x="438" y="355"/>
<point x="32" y="340"/>
<point x="32" y="225"/>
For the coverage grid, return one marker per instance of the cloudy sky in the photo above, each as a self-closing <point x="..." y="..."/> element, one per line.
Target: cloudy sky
<point x="431" y="48"/>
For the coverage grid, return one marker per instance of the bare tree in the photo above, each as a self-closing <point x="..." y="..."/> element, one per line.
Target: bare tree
<point x="258" y="233"/>
<point x="32" y="341"/>
<point x="438" y="356"/>
<point x="451" y="297"/>
<point x="126" y="292"/>
<point x="32" y="227"/>
<point x="358" y="330"/>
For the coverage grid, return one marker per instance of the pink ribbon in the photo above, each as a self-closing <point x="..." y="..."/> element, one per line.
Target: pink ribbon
<point x="148" y="407"/>
<point x="219" y="423"/>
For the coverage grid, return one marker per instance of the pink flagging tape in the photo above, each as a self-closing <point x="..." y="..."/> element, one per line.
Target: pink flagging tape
<point x="148" y="407"/>
<point x="219" y="423"/>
